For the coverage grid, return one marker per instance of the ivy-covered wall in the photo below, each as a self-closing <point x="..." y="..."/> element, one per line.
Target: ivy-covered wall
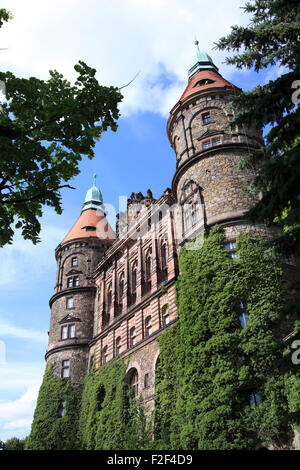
<point x="110" y="416"/>
<point x="220" y="384"/>
<point x="220" y="366"/>
<point x="100" y="413"/>
<point x="49" y="431"/>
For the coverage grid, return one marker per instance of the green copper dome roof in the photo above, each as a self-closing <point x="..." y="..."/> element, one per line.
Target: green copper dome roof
<point x="201" y="61"/>
<point x="93" y="198"/>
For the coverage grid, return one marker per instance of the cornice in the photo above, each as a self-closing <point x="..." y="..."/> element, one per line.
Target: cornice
<point x="206" y="154"/>
<point x="70" y="290"/>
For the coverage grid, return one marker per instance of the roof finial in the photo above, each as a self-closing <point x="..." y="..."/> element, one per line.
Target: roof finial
<point x="197" y="43"/>
<point x="94" y="179"/>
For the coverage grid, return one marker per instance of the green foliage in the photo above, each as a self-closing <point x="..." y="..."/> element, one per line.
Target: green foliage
<point x="111" y="418"/>
<point x="49" y="430"/>
<point x="4" y="16"/>
<point x="45" y="129"/>
<point x="101" y="413"/>
<point x="13" y="444"/>
<point x="166" y="387"/>
<point x="208" y="368"/>
<point x="217" y="364"/>
<point x="272" y="39"/>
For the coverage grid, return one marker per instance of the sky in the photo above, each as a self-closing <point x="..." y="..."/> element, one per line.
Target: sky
<point x="119" y="38"/>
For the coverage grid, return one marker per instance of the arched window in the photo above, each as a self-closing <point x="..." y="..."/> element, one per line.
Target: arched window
<point x="132" y="337"/>
<point x="134" y="278"/>
<point x="255" y="399"/>
<point x="133" y="283"/>
<point x="62" y="409"/>
<point x="118" y="346"/>
<point x="120" y="293"/>
<point x="165" y="315"/>
<point x="149" y="266"/>
<point x="105" y="355"/>
<point x="121" y="287"/>
<point x="109" y="296"/>
<point x="191" y="205"/>
<point x="164" y="256"/>
<point x="148" y="272"/>
<point x="134" y="382"/>
<point x="148" y="327"/>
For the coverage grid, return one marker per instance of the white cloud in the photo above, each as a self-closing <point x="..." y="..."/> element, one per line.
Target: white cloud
<point x="9" y="329"/>
<point x="18" y="376"/>
<point x="16" y="416"/>
<point x="118" y="38"/>
<point x="20" y="407"/>
<point x="19" y="424"/>
<point x="22" y="262"/>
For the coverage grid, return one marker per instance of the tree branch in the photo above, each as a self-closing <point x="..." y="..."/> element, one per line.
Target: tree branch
<point x="37" y="196"/>
<point x="124" y="86"/>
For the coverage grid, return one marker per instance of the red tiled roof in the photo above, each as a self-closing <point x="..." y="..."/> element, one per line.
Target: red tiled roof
<point x="218" y="82"/>
<point x="91" y="218"/>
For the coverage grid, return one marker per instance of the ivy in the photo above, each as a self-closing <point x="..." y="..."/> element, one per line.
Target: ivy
<point x="111" y="418"/>
<point x="210" y="370"/>
<point x="166" y="387"/>
<point x="217" y="366"/>
<point x="50" y="431"/>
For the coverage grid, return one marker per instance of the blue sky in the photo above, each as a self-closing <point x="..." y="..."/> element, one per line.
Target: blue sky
<point x="119" y="39"/>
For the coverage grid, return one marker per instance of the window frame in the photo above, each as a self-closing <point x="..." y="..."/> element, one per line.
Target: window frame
<point x="65" y="368"/>
<point x="148" y="326"/>
<point x="70" y="300"/>
<point x="132" y="336"/>
<point x="206" y="118"/>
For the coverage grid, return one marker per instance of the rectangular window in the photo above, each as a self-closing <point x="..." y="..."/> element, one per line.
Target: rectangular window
<point x="244" y="317"/>
<point x="146" y="381"/>
<point x="76" y="281"/>
<point x="65" y="371"/>
<point x="166" y="319"/>
<point x="216" y="141"/>
<point x="70" y="302"/>
<point x="72" y="331"/>
<point x="148" y="325"/>
<point x="68" y="331"/>
<point x="255" y="399"/>
<point x="62" y="409"/>
<point x="206" y="118"/>
<point x="70" y="282"/>
<point x="187" y="216"/>
<point x="230" y="246"/>
<point x="206" y="144"/>
<point x="64" y="332"/>
<point x="74" y="261"/>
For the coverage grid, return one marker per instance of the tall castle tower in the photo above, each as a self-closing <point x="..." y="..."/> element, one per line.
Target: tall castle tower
<point x="72" y="305"/>
<point x="208" y="151"/>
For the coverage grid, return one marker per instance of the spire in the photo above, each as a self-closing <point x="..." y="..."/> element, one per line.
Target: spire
<point x="93" y="198"/>
<point x="201" y="61"/>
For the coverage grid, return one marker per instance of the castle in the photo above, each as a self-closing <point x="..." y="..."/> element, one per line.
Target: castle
<point x="115" y="292"/>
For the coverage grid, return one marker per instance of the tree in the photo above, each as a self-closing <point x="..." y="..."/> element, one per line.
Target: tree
<point x="13" y="443"/>
<point x="272" y="39"/>
<point x="45" y="129"/>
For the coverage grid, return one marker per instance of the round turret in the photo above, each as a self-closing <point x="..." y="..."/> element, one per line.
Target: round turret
<point x="72" y="305"/>
<point x="207" y="149"/>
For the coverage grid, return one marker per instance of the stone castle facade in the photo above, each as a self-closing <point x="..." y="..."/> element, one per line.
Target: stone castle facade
<point x="115" y="293"/>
